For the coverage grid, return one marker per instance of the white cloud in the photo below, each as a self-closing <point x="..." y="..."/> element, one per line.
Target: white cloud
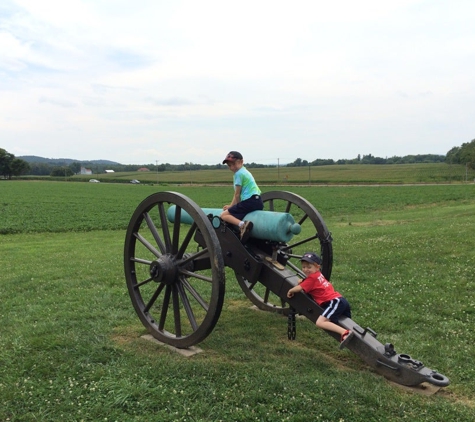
<point x="187" y="81"/>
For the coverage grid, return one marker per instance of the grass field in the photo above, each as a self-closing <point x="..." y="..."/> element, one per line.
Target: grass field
<point x="71" y="346"/>
<point x="334" y="174"/>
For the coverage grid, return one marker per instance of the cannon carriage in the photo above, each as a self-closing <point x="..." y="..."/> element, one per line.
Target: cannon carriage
<point x="175" y="255"/>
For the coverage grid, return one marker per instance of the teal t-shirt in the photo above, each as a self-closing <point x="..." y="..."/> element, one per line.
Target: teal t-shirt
<point x="244" y="178"/>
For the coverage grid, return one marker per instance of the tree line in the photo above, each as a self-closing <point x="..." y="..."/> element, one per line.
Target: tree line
<point x="370" y="159"/>
<point x="11" y="166"/>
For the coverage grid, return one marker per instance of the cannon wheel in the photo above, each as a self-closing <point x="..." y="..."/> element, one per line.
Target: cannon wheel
<point x="174" y="272"/>
<point x="313" y="237"/>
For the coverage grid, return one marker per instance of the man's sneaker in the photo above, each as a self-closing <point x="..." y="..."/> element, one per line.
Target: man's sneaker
<point x="245" y="231"/>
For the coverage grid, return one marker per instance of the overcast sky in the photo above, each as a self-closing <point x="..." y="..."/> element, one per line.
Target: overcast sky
<point x="186" y="81"/>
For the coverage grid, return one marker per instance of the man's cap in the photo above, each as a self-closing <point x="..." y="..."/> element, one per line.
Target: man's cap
<point x="311" y="257"/>
<point x="232" y="156"/>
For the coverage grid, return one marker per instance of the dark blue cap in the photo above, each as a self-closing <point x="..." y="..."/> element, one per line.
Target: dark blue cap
<point x="311" y="257"/>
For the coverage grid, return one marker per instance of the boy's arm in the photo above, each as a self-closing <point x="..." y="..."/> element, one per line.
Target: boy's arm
<point x="236" y="198"/>
<point x="237" y="195"/>
<point x="293" y="290"/>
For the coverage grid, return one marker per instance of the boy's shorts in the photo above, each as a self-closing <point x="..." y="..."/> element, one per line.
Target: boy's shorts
<point x="239" y="210"/>
<point x="335" y="308"/>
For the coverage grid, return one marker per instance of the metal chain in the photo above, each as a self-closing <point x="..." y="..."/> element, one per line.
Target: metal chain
<point x="291" y="327"/>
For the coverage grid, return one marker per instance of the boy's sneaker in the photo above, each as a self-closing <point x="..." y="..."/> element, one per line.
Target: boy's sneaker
<point x="245" y="231"/>
<point x="345" y="338"/>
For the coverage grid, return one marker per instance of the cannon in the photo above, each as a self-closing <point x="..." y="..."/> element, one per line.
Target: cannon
<point x="175" y="254"/>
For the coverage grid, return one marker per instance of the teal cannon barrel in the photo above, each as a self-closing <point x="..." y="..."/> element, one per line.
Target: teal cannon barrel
<point x="267" y="225"/>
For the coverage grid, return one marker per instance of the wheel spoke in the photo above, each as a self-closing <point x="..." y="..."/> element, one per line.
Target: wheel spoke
<point x="147" y="244"/>
<point x="176" y="230"/>
<point x="141" y="261"/>
<point x="154" y="298"/>
<point x="186" y="241"/>
<point x="198" y="254"/>
<point x="165" y="306"/>
<point x="195" y="294"/>
<point x="153" y="229"/>
<point x="176" y="310"/>
<point x="251" y="285"/>
<point x="301" y="242"/>
<point x="142" y="283"/>
<point x="187" y="307"/>
<point x="196" y="275"/>
<point x="164" y="222"/>
<point x="302" y="220"/>
<point x="287" y="208"/>
<point x="266" y="295"/>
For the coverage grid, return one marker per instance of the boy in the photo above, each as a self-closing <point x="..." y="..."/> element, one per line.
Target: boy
<point x="333" y="303"/>
<point x="246" y="195"/>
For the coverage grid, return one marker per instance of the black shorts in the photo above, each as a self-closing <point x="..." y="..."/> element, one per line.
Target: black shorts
<point x="335" y="308"/>
<point x="241" y="209"/>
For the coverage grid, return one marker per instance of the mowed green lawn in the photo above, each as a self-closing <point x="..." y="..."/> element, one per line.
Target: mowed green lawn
<point x="71" y="346"/>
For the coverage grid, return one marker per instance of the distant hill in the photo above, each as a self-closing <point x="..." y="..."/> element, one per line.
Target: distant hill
<point x="63" y="161"/>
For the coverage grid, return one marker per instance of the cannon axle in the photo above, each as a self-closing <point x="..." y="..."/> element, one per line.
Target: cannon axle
<point x="164" y="270"/>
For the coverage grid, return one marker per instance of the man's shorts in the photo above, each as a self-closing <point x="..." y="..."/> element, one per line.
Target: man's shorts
<point x="239" y="210"/>
<point x="335" y="308"/>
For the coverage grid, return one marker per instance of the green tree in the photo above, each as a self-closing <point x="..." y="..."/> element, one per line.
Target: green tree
<point x="453" y="156"/>
<point x="465" y="154"/>
<point x="19" y="167"/>
<point x="11" y="166"/>
<point x="296" y="163"/>
<point x="61" y="172"/>
<point x="75" y="167"/>
<point x="40" y="169"/>
<point x="5" y="162"/>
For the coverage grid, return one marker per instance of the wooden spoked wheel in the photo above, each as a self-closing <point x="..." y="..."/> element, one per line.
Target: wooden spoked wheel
<point x="174" y="271"/>
<point x="314" y="237"/>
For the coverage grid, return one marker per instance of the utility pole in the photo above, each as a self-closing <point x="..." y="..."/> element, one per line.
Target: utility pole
<point x="156" y="163"/>
<point x="278" y="170"/>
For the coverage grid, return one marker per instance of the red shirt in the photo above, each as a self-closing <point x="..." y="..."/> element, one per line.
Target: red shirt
<point x="317" y="286"/>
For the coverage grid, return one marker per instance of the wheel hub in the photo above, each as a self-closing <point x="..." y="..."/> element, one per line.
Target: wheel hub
<point x="163" y="270"/>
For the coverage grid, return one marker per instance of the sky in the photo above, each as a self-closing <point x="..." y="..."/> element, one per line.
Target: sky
<point x="159" y="81"/>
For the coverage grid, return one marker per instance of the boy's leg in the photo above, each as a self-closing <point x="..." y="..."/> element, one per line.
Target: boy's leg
<point x="229" y="218"/>
<point x="325" y="324"/>
<point x="334" y="309"/>
<point x="235" y="215"/>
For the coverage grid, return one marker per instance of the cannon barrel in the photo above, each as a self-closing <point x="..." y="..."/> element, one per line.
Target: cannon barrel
<point x="267" y="225"/>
